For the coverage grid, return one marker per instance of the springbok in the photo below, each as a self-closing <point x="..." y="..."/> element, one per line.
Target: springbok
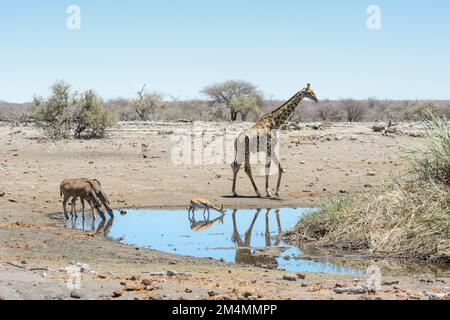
<point x="202" y="203"/>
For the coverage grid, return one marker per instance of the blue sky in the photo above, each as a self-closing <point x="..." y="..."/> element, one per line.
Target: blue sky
<point x="178" y="46"/>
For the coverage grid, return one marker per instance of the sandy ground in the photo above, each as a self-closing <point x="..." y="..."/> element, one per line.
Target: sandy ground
<point x="138" y="167"/>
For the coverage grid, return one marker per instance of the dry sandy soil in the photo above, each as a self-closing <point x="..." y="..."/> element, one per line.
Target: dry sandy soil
<point x="34" y="252"/>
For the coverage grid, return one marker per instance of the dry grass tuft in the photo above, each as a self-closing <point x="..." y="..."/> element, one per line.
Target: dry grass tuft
<point x="405" y="218"/>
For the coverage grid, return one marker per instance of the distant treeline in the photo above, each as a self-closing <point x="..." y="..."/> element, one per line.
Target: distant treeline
<point x="330" y="110"/>
<point x="238" y="100"/>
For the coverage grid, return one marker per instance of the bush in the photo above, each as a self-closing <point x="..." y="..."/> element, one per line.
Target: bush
<point x="64" y="114"/>
<point x="54" y="114"/>
<point x="91" y="118"/>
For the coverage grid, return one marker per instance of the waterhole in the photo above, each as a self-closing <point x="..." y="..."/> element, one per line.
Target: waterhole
<point x="245" y="236"/>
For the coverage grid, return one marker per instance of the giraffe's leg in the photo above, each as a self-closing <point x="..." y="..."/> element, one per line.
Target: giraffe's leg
<point x="236" y="165"/>
<point x="268" y="164"/>
<point x="267" y="233"/>
<point x="248" y="170"/>
<point x="280" y="174"/>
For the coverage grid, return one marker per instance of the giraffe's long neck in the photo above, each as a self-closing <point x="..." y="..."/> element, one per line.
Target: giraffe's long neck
<point x="280" y="115"/>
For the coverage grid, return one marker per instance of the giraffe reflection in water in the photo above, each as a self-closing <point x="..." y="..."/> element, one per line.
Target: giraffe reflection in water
<point x="245" y="254"/>
<point x="260" y="258"/>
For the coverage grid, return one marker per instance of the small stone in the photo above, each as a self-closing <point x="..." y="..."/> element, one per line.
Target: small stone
<point x="351" y="290"/>
<point x="289" y="278"/>
<point x="390" y="283"/>
<point x="146" y="282"/>
<point x="117" y="293"/>
<point x="212" y="293"/>
<point x="371" y="174"/>
<point x="75" y="295"/>
<point x="247" y="294"/>
<point x="188" y="290"/>
<point x="301" y="276"/>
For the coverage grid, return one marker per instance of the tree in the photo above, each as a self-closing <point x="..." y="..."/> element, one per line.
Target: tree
<point x="353" y="109"/>
<point x="227" y="92"/>
<point x="91" y="118"/>
<point x="146" y="103"/>
<point x="54" y="114"/>
<point x="244" y="105"/>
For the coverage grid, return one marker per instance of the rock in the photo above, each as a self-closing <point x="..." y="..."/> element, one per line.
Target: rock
<point x="117" y="293"/>
<point x="289" y="278"/>
<point x="390" y="130"/>
<point x="390" y="283"/>
<point x="427" y="278"/>
<point x="83" y="267"/>
<point x="75" y="295"/>
<point x="371" y="174"/>
<point x="188" y="290"/>
<point x="342" y="191"/>
<point x="378" y="128"/>
<point x="2" y="194"/>
<point x="170" y="273"/>
<point x="12" y="200"/>
<point x="301" y="276"/>
<point x="146" y="282"/>
<point x="436" y="296"/>
<point x="304" y="285"/>
<point x="212" y="293"/>
<point x="316" y="288"/>
<point x="352" y="290"/>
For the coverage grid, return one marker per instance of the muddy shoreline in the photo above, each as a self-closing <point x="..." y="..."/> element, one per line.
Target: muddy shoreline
<point x="317" y="168"/>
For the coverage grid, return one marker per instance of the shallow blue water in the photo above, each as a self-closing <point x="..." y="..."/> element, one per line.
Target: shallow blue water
<point x="248" y="237"/>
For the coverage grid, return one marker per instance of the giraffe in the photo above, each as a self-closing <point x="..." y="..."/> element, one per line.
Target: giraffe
<point x="263" y="132"/>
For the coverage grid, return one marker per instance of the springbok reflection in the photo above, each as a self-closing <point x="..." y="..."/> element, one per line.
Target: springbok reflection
<point x="260" y="258"/>
<point x="205" y="224"/>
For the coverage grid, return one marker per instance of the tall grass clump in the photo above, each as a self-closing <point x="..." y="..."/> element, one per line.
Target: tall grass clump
<point x="405" y="218"/>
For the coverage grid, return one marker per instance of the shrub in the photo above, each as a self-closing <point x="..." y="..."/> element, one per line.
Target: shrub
<point x="64" y="114"/>
<point x="91" y="118"/>
<point x="54" y="114"/>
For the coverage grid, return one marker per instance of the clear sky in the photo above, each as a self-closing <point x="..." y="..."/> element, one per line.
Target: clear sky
<point x="179" y="46"/>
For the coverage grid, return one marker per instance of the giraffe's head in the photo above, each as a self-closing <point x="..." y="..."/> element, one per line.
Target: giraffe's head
<point x="309" y="93"/>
